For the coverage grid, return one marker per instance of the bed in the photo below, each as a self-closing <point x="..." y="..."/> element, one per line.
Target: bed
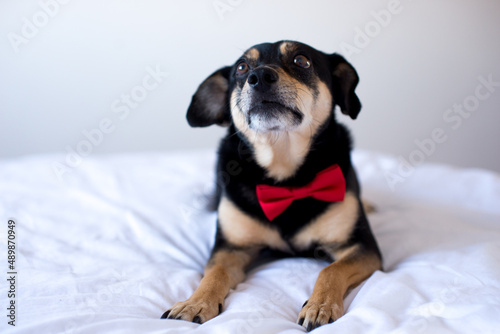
<point x="108" y="244"/>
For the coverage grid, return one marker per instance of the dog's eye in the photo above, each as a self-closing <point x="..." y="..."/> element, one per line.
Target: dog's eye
<point x="302" y="61"/>
<point x="242" y="68"/>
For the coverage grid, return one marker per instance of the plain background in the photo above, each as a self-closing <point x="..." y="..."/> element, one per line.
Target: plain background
<point x="70" y="73"/>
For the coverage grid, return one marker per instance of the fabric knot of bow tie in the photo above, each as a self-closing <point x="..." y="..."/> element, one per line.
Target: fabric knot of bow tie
<point x="328" y="186"/>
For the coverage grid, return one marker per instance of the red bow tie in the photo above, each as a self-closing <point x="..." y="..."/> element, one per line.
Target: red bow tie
<point x="328" y="186"/>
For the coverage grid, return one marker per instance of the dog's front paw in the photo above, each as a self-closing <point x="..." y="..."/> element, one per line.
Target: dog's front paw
<point x="195" y="310"/>
<point x="318" y="312"/>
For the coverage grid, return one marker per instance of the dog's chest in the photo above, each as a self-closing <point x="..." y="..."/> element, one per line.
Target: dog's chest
<point x="289" y="232"/>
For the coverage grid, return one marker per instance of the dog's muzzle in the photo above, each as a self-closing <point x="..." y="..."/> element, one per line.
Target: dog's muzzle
<point x="271" y="107"/>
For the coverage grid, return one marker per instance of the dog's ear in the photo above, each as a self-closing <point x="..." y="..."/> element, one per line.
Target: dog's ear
<point x="344" y="81"/>
<point x="210" y="103"/>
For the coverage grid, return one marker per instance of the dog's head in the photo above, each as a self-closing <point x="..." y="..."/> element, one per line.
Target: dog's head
<point x="284" y="86"/>
<point x="278" y="97"/>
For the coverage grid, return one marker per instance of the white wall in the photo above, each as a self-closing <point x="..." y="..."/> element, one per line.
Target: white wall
<point x="69" y="74"/>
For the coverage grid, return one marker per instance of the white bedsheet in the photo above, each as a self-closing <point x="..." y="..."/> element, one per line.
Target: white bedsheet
<point x="124" y="237"/>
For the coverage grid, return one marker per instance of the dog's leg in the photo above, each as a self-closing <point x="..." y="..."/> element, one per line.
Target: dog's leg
<point x="352" y="266"/>
<point x="224" y="271"/>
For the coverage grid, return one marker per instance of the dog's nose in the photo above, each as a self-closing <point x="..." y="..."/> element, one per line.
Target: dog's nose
<point x="262" y="78"/>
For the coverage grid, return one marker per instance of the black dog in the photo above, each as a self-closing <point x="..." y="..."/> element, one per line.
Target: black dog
<point x="292" y="186"/>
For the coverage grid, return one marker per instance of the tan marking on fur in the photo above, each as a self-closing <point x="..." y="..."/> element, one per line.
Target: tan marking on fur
<point x="369" y="207"/>
<point x="285" y="47"/>
<point x="334" y="282"/>
<point x="232" y="262"/>
<point x="242" y="230"/>
<point x="224" y="271"/>
<point x="252" y="54"/>
<point x="282" y="153"/>
<point x="335" y="225"/>
<point x="344" y="252"/>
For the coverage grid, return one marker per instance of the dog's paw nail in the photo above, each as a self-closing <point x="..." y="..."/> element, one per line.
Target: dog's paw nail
<point x="197" y="320"/>
<point x="309" y="327"/>
<point x="220" y="308"/>
<point x="330" y="320"/>
<point x="301" y="321"/>
<point x="165" y="315"/>
<point x="305" y="303"/>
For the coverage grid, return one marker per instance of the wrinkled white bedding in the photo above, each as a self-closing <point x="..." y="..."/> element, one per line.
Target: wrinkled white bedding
<point x="122" y="238"/>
